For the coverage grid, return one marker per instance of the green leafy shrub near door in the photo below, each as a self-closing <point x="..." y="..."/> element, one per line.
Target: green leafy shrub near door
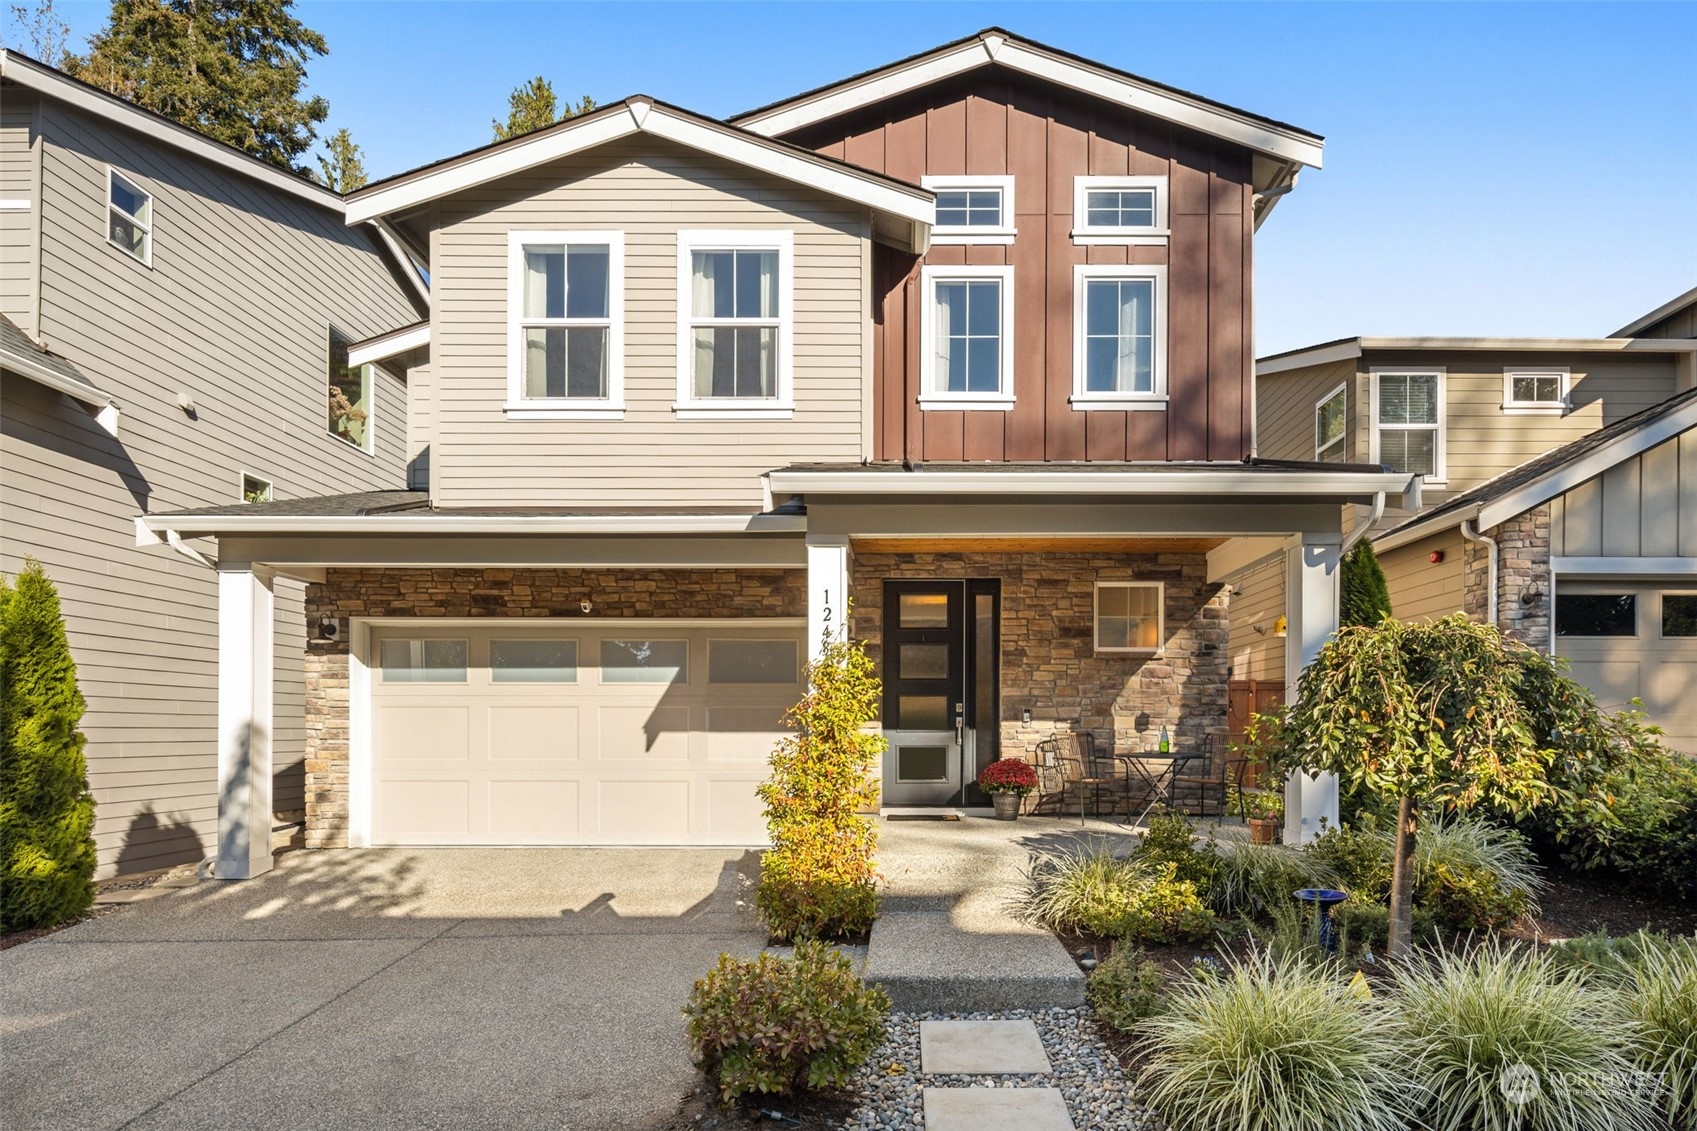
<point x="818" y="878"/>
<point x="46" y="811"/>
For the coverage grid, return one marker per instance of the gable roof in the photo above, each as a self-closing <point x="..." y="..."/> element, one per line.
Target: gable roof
<point x="1666" y="310"/>
<point x="1343" y="349"/>
<point x="24" y="356"/>
<point x="1539" y="480"/>
<point x="995" y="46"/>
<point x="641" y="114"/>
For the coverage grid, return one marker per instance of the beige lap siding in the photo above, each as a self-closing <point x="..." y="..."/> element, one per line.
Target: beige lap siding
<point x="528" y="593"/>
<point x="1049" y="662"/>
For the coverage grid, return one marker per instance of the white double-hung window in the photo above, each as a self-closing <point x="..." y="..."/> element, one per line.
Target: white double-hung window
<point x="565" y="324"/>
<point x="966" y="338"/>
<point x="129" y="217"/>
<point x="1408" y="421"/>
<point x="1119" y="337"/>
<point x="735" y="295"/>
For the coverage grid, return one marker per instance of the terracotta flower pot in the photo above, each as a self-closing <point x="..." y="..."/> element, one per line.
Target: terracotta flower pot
<point x="1263" y="830"/>
<point x="1007" y="805"/>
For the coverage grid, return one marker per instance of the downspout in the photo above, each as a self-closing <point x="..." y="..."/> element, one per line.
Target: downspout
<point x="1362" y="529"/>
<point x="1469" y="533"/>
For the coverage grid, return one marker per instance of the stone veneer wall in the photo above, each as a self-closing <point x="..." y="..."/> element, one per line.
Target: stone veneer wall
<point x="1049" y="663"/>
<point x="1523" y="560"/>
<point x="530" y="593"/>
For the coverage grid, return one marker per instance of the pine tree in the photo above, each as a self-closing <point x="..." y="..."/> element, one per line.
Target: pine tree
<point x="1364" y="598"/>
<point x="44" y="32"/>
<point x="342" y="168"/>
<point x="533" y="106"/>
<point x="231" y="69"/>
<point x="46" y="810"/>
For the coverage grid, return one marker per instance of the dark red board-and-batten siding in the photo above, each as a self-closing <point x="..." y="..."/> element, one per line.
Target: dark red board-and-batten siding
<point x="1044" y="137"/>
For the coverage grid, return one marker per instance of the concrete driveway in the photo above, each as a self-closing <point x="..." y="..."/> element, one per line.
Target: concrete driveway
<point x="379" y="988"/>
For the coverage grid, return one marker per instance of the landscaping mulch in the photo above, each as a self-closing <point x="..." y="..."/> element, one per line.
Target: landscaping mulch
<point x="702" y="1111"/>
<point x="1579" y="903"/>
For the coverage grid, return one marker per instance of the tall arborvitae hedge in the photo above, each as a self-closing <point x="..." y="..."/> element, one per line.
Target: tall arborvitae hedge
<point x="1363" y="597"/>
<point x="46" y="810"/>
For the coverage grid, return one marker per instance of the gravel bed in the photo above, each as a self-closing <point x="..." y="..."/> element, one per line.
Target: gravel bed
<point x="1088" y="1075"/>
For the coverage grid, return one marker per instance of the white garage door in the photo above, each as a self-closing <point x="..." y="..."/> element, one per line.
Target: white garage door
<point x="1630" y="640"/>
<point x="638" y="733"/>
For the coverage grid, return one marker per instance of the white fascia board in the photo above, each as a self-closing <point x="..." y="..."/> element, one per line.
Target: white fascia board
<point x="1200" y="481"/>
<point x="49" y="82"/>
<point x="1354" y="347"/>
<point x="1572" y="474"/>
<point x="1403" y="536"/>
<point x="385" y="346"/>
<point x="917" y="205"/>
<point x="1302" y="359"/>
<point x="1168" y="105"/>
<point x="27" y="367"/>
<point x="1663" y="311"/>
<point x="437" y="523"/>
<point x="1623" y="567"/>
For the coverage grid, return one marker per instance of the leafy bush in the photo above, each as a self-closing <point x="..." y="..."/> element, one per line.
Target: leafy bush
<point x="1126" y="988"/>
<point x="1089" y="890"/>
<point x="1253" y="878"/>
<point x="1364" y="596"/>
<point x="1467" y="1018"/>
<point x="1358" y="858"/>
<point x="817" y="879"/>
<point x="1274" y="1044"/>
<point x="778" y="1024"/>
<point x="1366" y="927"/>
<point x="1474" y="875"/>
<point x="1172" y="839"/>
<point x="1605" y="958"/>
<point x="46" y="810"/>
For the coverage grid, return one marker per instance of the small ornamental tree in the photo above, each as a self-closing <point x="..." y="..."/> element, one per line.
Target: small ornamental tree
<point x="46" y="810"/>
<point x="1363" y="596"/>
<point x="1451" y="716"/>
<point x="817" y="879"/>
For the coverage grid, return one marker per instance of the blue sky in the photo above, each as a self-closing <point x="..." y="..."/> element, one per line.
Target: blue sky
<point x="1491" y="169"/>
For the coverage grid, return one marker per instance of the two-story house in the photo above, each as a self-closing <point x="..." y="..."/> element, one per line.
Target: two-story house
<point x="954" y="355"/>
<point x="174" y="317"/>
<point x="1559" y="497"/>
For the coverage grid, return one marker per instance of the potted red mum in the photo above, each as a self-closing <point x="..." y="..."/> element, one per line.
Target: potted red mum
<point x="1007" y="782"/>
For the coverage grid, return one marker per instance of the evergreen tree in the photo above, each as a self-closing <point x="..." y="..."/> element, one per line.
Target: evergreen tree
<point x="46" y="810"/>
<point x="342" y="168"/>
<point x="1363" y="596"/>
<point x="231" y="69"/>
<point x="533" y="106"/>
<point x="43" y="31"/>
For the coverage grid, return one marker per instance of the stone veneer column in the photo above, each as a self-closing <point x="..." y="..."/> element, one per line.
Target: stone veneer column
<point x="1523" y="562"/>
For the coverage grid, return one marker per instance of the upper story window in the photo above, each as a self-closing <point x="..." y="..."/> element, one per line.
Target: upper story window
<point x="1119" y="337"/>
<point x="1535" y="390"/>
<point x="966" y="338"/>
<point x="973" y="209"/>
<point x="129" y="217"/>
<point x="256" y="490"/>
<point x="735" y="291"/>
<point x="349" y="388"/>
<point x="1408" y="421"/>
<point x="565" y="343"/>
<point x="1119" y="210"/>
<point x="1331" y="420"/>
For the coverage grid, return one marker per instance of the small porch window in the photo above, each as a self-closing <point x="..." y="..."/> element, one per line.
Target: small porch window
<point x="1129" y="616"/>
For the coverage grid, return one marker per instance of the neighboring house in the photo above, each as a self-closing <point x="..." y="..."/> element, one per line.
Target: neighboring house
<point x="1556" y="467"/>
<point x="170" y="312"/>
<point x="964" y="339"/>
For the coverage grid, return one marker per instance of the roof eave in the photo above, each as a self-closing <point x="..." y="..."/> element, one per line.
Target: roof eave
<point x="439" y="523"/>
<point x="1189" y="482"/>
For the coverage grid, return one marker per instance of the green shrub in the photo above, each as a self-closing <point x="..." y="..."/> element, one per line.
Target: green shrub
<point x="1602" y="957"/>
<point x="1274" y="1044"/>
<point x="1645" y="829"/>
<point x="1357" y="857"/>
<point x="1089" y="890"/>
<point x="1364" y="597"/>
<point x="817" y="879"/>
<point x="1661" y="995"/>
<point x="1126" y="988"/>
<point x="778" y="1024"/>
<point x="1473" y="875"/>
<point x="1172" y="839"/>
<point x="1251" y="879"/>
<point x="1467" y="1018"/>
<point x="1366" y="927"/>
<point x="46" y="811"/>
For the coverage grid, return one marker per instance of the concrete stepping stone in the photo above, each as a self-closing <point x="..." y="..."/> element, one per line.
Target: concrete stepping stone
<point x="981" y="1048"/>
<point x="996" y="1109"/>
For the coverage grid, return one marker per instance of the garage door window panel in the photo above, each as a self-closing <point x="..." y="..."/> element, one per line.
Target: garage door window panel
<point x="1679" y="615"/>
<point x="423" y="661"/>
<point x="645" y="661"/>
<point x="752" y="661"/>
<point x="533" y="661"/>
<point x="1596" y="614"/>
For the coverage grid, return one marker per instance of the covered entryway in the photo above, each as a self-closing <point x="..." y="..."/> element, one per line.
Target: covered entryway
<point x="639" y="732"/>
<point x="1635" y="639"/>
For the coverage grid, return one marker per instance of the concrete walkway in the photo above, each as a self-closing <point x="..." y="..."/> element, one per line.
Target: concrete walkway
<point x="947" y="938"/>
<point x="383" y="988"/>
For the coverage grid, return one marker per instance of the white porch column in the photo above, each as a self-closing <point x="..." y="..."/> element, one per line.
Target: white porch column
<point x="245" y="608"/>
<point x="1311" y="616"/>
<point x="827" y="591"/>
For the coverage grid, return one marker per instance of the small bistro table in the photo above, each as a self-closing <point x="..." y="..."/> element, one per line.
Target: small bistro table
<point x="1157" y="772"/>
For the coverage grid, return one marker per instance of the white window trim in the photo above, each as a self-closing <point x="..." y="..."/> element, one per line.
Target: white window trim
<point x="1082" y="233"/>
<point x="930" y="401"/>
<point x="146" y="259"/>
<point x="1512" y="407"/>
<point x="781" y="407"/>
<point x="520" y="407"/>
<point x="1440" y="460"/>
<point x="242" y="478"/>
<point x="945" y="234"/>
<point x="1085" y="401"/>
<point x="369" y="374"/>
<point x="1160" y="588"/>
<point x="1343" y="387"/>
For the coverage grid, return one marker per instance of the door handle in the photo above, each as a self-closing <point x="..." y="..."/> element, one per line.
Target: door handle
<point x="960" y="724"/>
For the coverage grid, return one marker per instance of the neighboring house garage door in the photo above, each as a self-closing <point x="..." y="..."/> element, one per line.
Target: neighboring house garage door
<point x="1635" y="640"/>
<point x="637" y="733"/>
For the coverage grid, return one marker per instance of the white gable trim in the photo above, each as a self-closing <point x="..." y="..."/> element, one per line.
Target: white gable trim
<point x="384" y="346"/>
<point x="98" y="403"/>
<point x="915" y="205"/>
<point x="1027" y="58"/>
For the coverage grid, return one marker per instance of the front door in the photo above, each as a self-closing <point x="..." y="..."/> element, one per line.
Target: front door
<point x="941" y="689"/>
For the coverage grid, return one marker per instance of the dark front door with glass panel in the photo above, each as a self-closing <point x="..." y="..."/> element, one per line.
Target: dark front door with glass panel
<point x="941" y="690"/>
